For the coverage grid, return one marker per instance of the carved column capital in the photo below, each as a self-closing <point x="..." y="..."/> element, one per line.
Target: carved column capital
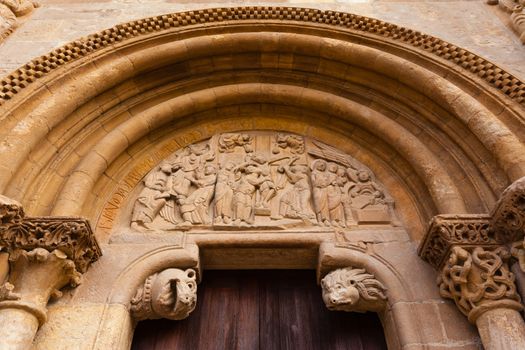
<point x="353" y="289"/>
<point x="171" y="294"/>
<point x="472" y="263"/>
<point x="45" y="255"/>
<point x="70" y="235"/>
<point x="478" y="280"/>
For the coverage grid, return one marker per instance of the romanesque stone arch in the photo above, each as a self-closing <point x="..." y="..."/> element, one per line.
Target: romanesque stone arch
<point x="439" y="127"/>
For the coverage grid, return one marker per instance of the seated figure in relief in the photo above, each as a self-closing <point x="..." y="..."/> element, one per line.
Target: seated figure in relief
<point x="152" y="198"/>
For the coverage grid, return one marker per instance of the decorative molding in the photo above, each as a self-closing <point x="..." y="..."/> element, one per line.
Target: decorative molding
<point x="478" y="280"/>
<point x="446" y="231"/>
<point x="10" y="10"/>
<point x="353" y="290"/>
<point x="171" y="294"/>
<point x="494" y="76"/>
<point x="72" y="236"/>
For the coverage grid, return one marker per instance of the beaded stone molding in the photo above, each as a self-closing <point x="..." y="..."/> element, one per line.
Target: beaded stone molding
<point x="37" y="68"/>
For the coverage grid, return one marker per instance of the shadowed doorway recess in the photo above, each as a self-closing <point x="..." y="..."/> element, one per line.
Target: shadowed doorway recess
<point x="278" y="309"/>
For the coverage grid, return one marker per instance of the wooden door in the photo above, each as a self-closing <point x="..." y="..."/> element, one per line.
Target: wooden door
<point x="271" y="309"/>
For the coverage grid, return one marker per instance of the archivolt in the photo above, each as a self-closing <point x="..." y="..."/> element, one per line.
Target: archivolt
<point x="427" y="127"/>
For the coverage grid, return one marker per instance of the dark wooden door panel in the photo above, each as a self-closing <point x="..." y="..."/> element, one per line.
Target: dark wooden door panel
<point x="270" y="310"/>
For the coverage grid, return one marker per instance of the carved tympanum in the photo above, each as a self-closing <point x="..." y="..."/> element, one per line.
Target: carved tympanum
<point x="170" y="294"/>
<point x="353" y="289"/>
<point x="479" y="279"/>
<point x="10" y="10"/>
<point x="260" y="179"/>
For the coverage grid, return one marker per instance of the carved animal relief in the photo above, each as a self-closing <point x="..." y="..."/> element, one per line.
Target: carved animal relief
<point x="170" y="294"/>
<point x="353" y="289"/>
<point x="262" y="180"/>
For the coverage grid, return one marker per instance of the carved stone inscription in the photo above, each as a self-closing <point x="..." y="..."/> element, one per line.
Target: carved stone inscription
<point x="260" y="179"/>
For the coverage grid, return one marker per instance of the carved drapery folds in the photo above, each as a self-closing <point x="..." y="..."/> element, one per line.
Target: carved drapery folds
<point x="353" y="289"/>
<point x="260" y="179"/>
<point x="45" y="255"/>
<point x="171" y="294"/>
<point x="10" y="10"/>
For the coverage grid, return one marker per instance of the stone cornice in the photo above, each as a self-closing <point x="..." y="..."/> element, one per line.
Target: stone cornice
<point x="73" y="236"/>
<point x="494" y="76"/>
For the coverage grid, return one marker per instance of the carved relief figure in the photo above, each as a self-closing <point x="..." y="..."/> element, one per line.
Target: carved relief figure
<point x="171" y="294"/>
<point x="224" y="194"/>
<point x="295" y="202"/>
<point x="10" y="10"/>
<point x="152" y="198"/>
<point x="194" y="209"/>
<point x="260" y="179"/>
<point x="353" y="289"/>
<point x="334" y="196"/>
<point x="250" y="179"/>
<point x="320" y="182"/>
<point x="267" y="188"/>
<point x="294" y="143"/>
<point x="228" y="142"/>
<point x="346" y="199"/>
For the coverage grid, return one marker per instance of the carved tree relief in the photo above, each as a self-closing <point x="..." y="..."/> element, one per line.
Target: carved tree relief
<point x="261" y="180"/>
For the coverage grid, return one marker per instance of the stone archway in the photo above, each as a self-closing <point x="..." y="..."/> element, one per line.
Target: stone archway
<point x="440" y="128"/>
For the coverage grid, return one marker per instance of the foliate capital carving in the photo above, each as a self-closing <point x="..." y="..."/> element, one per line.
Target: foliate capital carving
<point x="72" y="236"/>
<point x="170" y="294"/>
<point x="11" y="212"/>
<point x="446" y="231"/>
<point x="479" y="279"/>
<point x="353" y="289"/>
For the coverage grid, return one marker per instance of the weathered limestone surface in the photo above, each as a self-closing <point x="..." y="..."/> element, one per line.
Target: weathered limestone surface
<point x="105" y="149"/>
<point x="57" y="22"/>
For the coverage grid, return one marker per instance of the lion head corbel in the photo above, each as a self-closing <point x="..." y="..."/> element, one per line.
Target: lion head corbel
<point x="171" y="294"/>
<point x="353" y="289"/>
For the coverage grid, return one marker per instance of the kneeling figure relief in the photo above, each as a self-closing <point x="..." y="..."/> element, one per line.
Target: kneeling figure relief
<point x="262" y="180"/>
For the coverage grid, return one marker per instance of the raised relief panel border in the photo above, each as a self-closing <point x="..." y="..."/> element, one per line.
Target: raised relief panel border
<point x="260" y="180"/>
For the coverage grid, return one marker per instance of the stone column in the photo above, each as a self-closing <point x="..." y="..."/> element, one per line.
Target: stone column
<point x="45" y="255"/>
<point x="472" y="262"/>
